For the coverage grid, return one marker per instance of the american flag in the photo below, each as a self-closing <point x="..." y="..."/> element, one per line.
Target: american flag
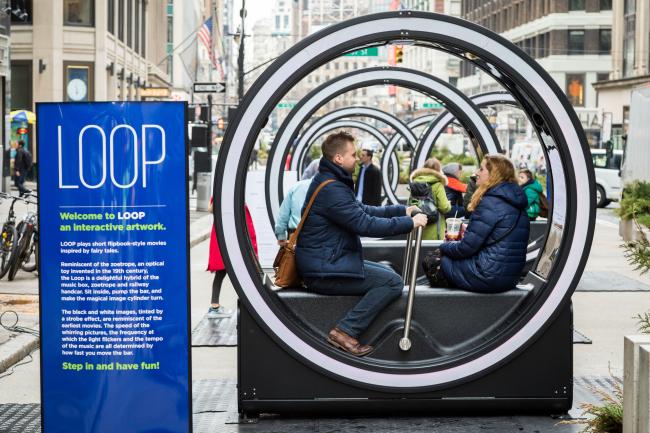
<point x="205" y="35"/>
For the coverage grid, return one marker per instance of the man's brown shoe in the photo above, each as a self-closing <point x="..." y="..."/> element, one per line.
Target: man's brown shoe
<point x="347" y="343"/>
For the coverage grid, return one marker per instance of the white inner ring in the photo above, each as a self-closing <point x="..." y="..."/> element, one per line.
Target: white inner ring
<point x="443" y="90"/>
<point x="445" y="117"/>
<point x="437" y="29"/>
<point x="371" y="130"/>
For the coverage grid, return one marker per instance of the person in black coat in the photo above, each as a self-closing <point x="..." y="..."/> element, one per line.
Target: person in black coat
<point x="22" y="165"/>
<point x="492" y="253"/>
<point x="368" y="186"/>
<point x="329" y="256"/>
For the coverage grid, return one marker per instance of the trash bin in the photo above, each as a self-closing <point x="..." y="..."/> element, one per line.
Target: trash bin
<point x="203" y="190"/>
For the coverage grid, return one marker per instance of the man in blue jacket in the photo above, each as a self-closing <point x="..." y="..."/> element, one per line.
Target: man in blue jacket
<point x="329" y="254"/>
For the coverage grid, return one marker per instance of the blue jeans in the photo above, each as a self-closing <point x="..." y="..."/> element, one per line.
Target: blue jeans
<point x="380" y="287"/>
<point x="20" y="183"/>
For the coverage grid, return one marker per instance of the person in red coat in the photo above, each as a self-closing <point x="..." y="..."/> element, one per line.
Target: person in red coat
<point x="216" y="265"/>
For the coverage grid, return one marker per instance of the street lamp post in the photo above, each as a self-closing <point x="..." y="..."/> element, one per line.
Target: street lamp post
<point x="240" y="59"/>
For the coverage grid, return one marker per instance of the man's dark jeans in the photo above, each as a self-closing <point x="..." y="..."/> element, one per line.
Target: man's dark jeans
<point x="380" y="287"/>
<point x="20" y="183"/>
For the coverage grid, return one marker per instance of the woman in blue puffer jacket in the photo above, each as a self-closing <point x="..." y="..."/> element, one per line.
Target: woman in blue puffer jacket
<point x="492" y="253"/>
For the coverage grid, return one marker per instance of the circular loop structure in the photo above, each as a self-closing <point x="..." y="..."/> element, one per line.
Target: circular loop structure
<point x="310" y="134"/>
<point x="393" y="166"/>
<point x="443" y="120"/>
<point x="390" y="147"/>
<point x="477" y="126"/>
<point x="559" y="267"/>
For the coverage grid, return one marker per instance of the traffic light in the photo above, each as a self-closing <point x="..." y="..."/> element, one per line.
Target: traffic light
<point x="221" y="123"/>
<point x="399" y="53"/>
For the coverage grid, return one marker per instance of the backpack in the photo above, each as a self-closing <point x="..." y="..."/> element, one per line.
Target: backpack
<point x="543" y="205"/>
<point x="422" y="197"/>
<point x="27" y="159"/>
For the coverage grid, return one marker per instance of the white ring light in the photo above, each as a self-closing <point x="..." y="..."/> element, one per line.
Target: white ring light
<point x="445" y="118"/>
<point x="567" y="150"/>
<point x="457" y="102"/>
<point x="381" y="138"/>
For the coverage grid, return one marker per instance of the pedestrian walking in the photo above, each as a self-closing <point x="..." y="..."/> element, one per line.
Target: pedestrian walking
<point x="216" y="266"/>
<point x="22" y="165"/>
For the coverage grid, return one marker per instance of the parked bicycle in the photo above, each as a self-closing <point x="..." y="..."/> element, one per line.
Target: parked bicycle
<point x="27" y="231"/>
<point x="8" y="237"/>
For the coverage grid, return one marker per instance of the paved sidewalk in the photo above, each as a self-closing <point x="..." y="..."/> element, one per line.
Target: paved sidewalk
<point x="19" y="298"/>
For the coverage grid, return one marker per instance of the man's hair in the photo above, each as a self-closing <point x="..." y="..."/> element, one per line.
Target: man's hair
<point x="21" y="143"/>
<point x="369" y="152"/>
<point x="336" y="143"/>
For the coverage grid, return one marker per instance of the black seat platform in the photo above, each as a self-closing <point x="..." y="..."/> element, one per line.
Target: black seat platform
<point x="446" y="322"/>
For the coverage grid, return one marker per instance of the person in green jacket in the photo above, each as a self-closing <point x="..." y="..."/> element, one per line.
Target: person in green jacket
<point x="533" y="189"/>
<point x="431" y="174"/>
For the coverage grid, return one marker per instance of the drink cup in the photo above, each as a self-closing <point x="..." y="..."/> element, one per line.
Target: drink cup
<point x="453" y="228"/>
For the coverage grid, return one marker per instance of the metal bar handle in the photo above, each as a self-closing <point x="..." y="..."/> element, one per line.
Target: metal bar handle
<point x="407" y="257"/>
<point x="405" y="342"/>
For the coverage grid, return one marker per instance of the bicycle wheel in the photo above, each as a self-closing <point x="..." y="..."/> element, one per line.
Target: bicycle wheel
<point x="8" y="246"/>
<point x="32" y="248"/>
<point x="16" y="258"/>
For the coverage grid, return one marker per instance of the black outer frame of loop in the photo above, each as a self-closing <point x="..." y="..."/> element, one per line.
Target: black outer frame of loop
<point x="542" y="109"/>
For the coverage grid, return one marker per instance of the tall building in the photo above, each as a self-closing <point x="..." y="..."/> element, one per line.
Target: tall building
<point x="630" y="63"/>
<point x="82" y="50"/>
<point x="184" y="20"/>
<point x="434" y="62"/>
<point x="318" y="14"/>
<point x="570" y="39"/>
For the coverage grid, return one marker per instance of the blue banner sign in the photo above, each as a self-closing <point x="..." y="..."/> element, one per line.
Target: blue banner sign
<point x="114" y="279"/>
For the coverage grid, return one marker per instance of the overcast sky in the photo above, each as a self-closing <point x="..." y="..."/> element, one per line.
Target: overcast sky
<point x="257" y="9"/>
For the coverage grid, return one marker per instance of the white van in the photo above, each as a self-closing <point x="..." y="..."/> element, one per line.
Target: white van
<point x="608" y="176"/>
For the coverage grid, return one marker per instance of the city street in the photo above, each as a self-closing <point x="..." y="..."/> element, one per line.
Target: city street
<point x="603" y="314"/>
<point x="464" y="187"/>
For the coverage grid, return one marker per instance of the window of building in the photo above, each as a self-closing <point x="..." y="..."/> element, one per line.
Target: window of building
<point x="170" y="32"/>
<point x="120" y="20"/>
<point x="629" y="32"/>
<point x="110" y="16"/>
<point x="129" y="23"/>
<point x="602" y="76"/>
<point x="277" y="22"/>
<point x="286" y="21"/>
<point x="78" y="13"/>
<point x="575" y="89"/>
<point x="576" y="5"/>
<point x="605" y="5"/>
<point x="576" y="42"/>
<point x="605" y="41"/>
<point x="136" y="37"/>
<point x="21" y="84"/>
<point x="21" y="12"/>
<point x="626" y="118"/>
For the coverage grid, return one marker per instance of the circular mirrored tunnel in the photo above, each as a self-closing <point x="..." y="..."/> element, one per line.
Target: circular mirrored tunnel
<point x="477" y="126"/>
<point x="545" y="290"/>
